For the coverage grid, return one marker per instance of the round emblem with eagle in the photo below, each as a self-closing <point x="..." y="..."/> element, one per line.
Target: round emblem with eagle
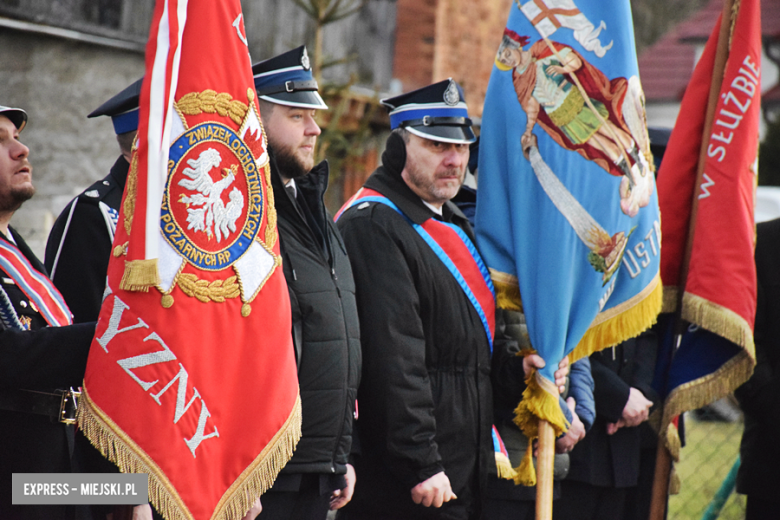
<point x="213" y="202"/>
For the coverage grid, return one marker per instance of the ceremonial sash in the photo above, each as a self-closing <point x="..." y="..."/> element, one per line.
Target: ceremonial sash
<point x="456" y="251"/>
<point x="35" y="285"/>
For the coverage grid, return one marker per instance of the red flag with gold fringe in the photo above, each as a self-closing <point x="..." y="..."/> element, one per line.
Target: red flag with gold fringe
<point x="191" y="377"/>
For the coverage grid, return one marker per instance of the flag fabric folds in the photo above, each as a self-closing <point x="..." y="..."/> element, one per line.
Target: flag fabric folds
<point x="192" y="377"/>
<point x="567" y="211"/>
<point x="716" y="354"/>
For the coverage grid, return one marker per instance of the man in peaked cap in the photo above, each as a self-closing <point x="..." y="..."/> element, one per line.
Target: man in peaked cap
<point x="79" y="244"/>
<point x="322" y="296"/>
<point x="79" y="248"/>
<point x="425" y="396"/>
<point x="41" y="353"/>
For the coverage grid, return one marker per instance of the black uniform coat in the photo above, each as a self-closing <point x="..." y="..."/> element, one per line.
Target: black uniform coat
<point x="613" y="460"/>
<point x="43" y="359"/>
<point x="79" y="245"/>
<point x="425" y="397"/>
<point x="760" y="396"/>
<point x="325" y="323"/>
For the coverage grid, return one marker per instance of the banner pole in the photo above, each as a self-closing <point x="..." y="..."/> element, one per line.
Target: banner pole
<point x="545" y="462"/>
<point x="663" y="465"/>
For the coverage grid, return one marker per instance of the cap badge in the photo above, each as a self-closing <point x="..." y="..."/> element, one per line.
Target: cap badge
<point x="305" y="60"/>
<point x="451" y="95"/>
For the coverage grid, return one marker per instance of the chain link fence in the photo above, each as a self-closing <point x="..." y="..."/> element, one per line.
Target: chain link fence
<point x="712" y="437"/>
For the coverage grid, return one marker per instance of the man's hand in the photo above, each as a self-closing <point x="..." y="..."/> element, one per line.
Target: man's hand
<point x="575" y="434"/>
<point x="535" y="361"/>
<point x="142" y="512"/>
<point x="434" y="491"/>
<point x="255" y="510"/>
<point x="340" y="497"/>
<point x="636" y="411"/>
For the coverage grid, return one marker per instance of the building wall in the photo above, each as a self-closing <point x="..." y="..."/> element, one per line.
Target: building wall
<point x="467" y="37"/>
<point x="58" y="82"/>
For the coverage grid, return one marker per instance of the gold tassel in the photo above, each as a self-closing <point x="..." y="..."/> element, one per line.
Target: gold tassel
<point x="140" y="275"/>
<point x="674" y="482"/>
<point x="718" y="320"/>
<point x="621" y="323"/>
<point x="507" y="291"/>
<point x="525" y="473"/>
<point x="117" y="447"/>
<point x="672" y="442"/>
<point x="504" y="467"/>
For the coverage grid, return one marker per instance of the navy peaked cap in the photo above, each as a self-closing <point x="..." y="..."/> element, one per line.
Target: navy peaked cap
<point x="287" y="80"/>
<point x="122" y="109"/>
<point x="17" y="116"/>
<point x="437" y="112"/>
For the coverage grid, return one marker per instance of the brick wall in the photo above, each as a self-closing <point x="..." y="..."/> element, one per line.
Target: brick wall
<point x="437" y="39"/>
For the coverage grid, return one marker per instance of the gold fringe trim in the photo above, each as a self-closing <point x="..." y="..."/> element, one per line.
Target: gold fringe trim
<point x="261" y="474"/>
<point x="719" y="320"/>
<point x="504" y="467"/>
<point x="507" y="291"/>
<point x="210" y="102"/>
<point x="117" y="447"/>
<point x="539" y="402"/>
<point x="140" y="275"/>
<point x="709" y="388"/>
<point x="621" y="323"/>
<point x="255" y="480"/>
<point x="733" y="22"/>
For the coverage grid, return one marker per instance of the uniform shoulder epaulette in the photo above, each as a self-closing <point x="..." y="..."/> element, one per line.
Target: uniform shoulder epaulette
<point x="98" y="190"/>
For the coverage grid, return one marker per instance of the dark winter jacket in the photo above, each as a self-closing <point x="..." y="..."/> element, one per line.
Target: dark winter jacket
<point x="79" y="245"/>
<point x="325" y="323"/>
<point x="425" y="397"/>
<point x="760" y="395"/>
<point x="613" y="460"/>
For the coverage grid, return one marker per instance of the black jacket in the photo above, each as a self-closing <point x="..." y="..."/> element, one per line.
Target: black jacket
<point x="79" y="245"/>
<point x="325" y="323"/>
<point x="613" y="460"/>
<point x="425" y="397"/>
<point x="760" y="395"/>
<point x="43" y="359"/>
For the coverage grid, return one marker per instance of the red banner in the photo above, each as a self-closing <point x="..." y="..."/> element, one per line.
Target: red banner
<point x="719" y="294"/>
<point x="191" y="377"/>
<point x="722" y="272"/>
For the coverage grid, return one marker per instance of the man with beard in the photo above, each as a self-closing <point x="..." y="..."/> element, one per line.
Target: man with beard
<point x="426" y="318"/>
<point x="322" y="295"/>
<point x="41" y="353"/>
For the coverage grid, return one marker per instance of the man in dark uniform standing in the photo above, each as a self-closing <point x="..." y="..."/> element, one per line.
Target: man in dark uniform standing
<point x="41" y="355"/>
<point x="322" y="296"/>
<point x="79" y="245"/>
<point x="425" y="397"/>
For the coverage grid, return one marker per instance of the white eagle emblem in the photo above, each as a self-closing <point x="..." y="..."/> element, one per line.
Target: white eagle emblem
<point x="210" y="211"/>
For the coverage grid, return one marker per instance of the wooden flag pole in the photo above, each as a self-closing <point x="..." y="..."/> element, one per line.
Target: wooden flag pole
<point x="663" y="464"/>
<point x="545" y="463"/>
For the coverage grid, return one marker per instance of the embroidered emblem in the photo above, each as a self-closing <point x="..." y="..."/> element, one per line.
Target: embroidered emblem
<point x="92" y="193"/>
<point x="305" y="60"/>
<point x="451" y="95"/>
<point x="213" y="202"/>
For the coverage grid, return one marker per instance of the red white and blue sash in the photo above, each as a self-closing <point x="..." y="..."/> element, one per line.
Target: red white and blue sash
<point x="456" y="251"/>
<point x="35" y="285"/>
